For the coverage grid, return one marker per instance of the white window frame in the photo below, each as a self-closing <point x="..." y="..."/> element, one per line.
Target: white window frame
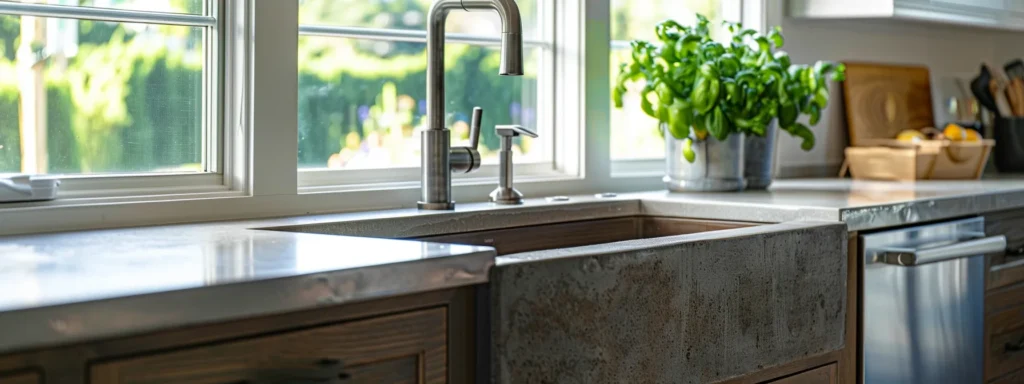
<point x="217" y="178"/>
<point x="259" y="130"/>
<point x="334" y="180"/>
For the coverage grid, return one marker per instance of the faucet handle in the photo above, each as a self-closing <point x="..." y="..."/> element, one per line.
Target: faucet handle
<point x="514" y="130"/>
<point x="474" y="127"/>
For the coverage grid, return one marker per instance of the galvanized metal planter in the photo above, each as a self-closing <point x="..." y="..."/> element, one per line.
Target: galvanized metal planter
<point x="718" y="166"/>
<point x="759" y="158"/>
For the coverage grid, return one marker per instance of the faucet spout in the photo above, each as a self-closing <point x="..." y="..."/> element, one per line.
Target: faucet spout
<point x="511" y="54"/>
<point x="436" y="151"/>
<point x="511" y="32"/>
<point x="511" y="47"/>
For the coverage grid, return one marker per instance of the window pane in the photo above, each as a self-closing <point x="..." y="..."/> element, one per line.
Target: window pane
<point x="99" y="97"/>
<point x="170" y="6"/>
<point x="361" y="102"/>
<point x="409" y="14"/>
<point x="634" y="134"/>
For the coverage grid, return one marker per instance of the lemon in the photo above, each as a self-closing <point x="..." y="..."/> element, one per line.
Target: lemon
<point x="957" y="133"/>
<point x="910" y="135"/>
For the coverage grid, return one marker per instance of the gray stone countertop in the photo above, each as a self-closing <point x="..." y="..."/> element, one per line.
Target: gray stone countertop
<point x="69" y="287"/>
<point x="862" y="205"/>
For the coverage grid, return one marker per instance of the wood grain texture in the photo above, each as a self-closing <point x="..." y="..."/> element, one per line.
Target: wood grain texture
<point x="1005" y="309"/>
<point x="1006" y="269"/>
<point x="65" y="365"/>
<point x="1009" y="223"/>
<point x="1015" y="377"/>
<point x="21" y="378"/>
<point x="828" y="374"/>
<point x="882" y="100"/>
<point x="406" y="348"/>
<point x="665" y="226"/>
<point x="849" y="365"/>
<point x="998" y="360"/>
<point x="574" y="234"/>
<point x="538" y="237"/>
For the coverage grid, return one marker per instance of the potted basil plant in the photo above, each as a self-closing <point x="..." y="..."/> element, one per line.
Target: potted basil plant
<point x="718" y="104"/>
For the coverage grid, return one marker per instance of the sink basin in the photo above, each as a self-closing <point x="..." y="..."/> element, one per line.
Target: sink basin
<point x="578" y="233"/>
<point x="520" y="231"/>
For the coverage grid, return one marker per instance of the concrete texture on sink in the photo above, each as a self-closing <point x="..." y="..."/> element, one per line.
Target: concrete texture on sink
<point x="684" y="309"/>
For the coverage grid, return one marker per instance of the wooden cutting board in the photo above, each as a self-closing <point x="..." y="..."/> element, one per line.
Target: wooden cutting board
<point x="883" y="99"/>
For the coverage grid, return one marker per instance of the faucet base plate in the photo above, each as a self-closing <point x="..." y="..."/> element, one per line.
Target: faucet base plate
<point x="449" y="206"/>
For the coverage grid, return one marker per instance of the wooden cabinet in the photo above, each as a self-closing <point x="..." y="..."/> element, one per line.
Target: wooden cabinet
<point x="1004" y="331"/>
<point x="828" y="374"/>
<point x="1004" y="301"/>
<point x="21" y="378"/>
<point x="402" y="348"/>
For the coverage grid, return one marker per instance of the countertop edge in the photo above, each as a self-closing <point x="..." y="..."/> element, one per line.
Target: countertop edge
<point x="888" y="215"/>
<point x="68" y="324"/>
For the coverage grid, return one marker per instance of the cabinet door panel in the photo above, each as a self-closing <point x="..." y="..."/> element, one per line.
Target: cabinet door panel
<point x="403" y="348"/>
<point x="21" y="378"/>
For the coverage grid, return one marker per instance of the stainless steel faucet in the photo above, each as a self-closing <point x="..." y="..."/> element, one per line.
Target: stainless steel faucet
<point x="439" y="158"/>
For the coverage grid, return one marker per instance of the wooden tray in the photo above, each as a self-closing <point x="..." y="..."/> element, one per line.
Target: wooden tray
<point x="927" y="160"/>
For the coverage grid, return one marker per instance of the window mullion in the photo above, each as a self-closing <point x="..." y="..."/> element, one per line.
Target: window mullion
<point x="106" y="14"/>
<point x="402" y="35"/>
<point x="274" y="96"/>
<point x="596" y="91"/>
<point x="235" y="130"/>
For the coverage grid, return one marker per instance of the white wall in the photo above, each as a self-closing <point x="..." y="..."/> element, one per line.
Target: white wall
<point x="949" y="51"/>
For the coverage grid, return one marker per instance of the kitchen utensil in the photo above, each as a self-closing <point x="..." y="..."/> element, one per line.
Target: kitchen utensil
<point x="882" y="100"/>
<point x="1015" y="69"/>
<point x="965" y="90"/>
<point x="980" y="87"/>
<point x="1009" y="154"/>
<point x="964" y="110"/>
<point x="1015" y="96"/>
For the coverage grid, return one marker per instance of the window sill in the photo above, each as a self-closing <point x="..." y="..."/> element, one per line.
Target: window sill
<point x="639" y="168"/>
<point x="125" y="197"/>
<point x="535" y="178"/>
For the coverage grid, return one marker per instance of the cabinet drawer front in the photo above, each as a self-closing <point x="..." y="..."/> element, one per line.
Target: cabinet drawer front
<point x="1005" y="310"/>
<point x="1005" y="354"/>
<point x="22" y="378"/>
<point x="1005" y="271"/>
<point x="403" y="348"/>
<point x="821" y="375"/>
<point x="1013" y="378"/>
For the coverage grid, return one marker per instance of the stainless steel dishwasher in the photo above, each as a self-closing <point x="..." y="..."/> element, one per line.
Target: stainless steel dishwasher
<point x="923" y="294"/>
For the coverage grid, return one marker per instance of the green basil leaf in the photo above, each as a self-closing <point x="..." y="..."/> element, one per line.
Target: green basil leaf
<point x="815" y="113"/>
<point x="776" y="37"/>
<point x="715" y="123"/>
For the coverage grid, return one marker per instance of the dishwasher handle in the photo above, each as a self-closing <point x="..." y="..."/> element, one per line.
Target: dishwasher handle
<point x="911" y="257"/>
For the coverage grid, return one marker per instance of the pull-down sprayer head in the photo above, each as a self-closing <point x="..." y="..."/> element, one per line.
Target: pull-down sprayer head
<point x="511" y="32"/>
